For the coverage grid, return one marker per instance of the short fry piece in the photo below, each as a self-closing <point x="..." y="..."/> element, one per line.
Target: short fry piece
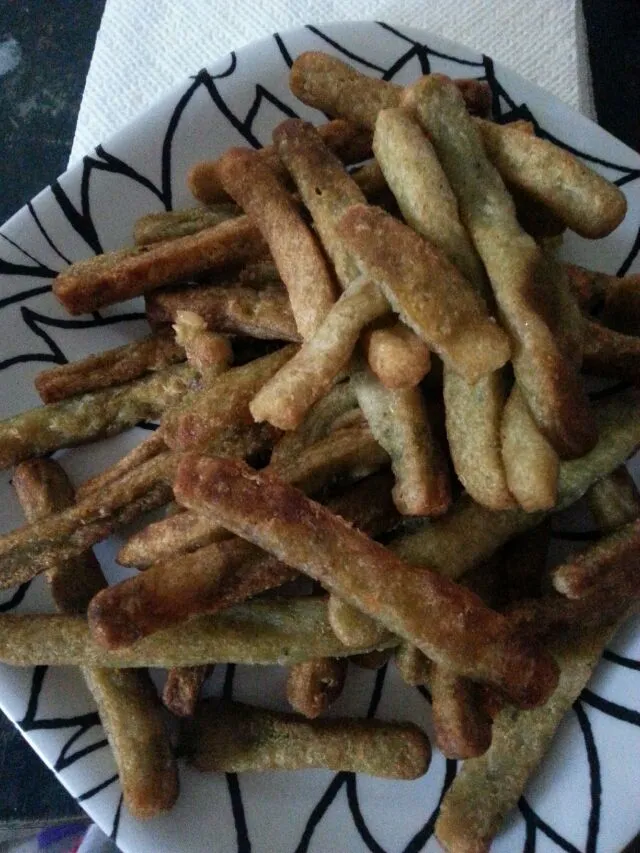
<point x="352" y="627"/>
<point x="182" y="689"/>
<point x="313" y="686"/>
<point x="615" y="500"/>
<point x="396" y="354"/>
<point x="462" y="727"/>
<point x="208" y="353"/>
<point x="229" y="737"/>
<point x="170" y="224"/>
<point x="112" y="367"/>
<point x="417" y="604"/>
<point x="117" y="276"/>
<point x="90" y="416"/>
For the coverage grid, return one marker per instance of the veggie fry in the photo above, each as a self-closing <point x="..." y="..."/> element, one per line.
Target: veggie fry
<point x="610" y="353"/>
<point x="417" y="604"/>
<point x="264" y="314"/>
<point x="462" y="727"/>
<point x="297" y="255"/>
<point x="286" y="398"/>
<point x="395" y="354"/>
<point x="313" y="686"/>
<point x="264" y="632"/>
<point x="208" y="353"/>
<point x="148" y="449"/>
<point x="531" y="464"/>
<point x="182" y="689"/>
<point x="351" y="626"/>
<point x="229" y="737"/>
<point x="414" y="667"/>
<point x="488" y="787"/>
<point x="90" y="416"/>
<point x="112" y="367"/>
<point x="515" y="267"/>
<point x="117" y="276"/>
<point x="347" y="141"/>
<point x="614" y="501"/>
<point x="170" y="224"/>
<point x="427" y="290"/>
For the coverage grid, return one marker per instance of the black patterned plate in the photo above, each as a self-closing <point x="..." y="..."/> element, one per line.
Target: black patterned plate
<point x="584" y="796"/>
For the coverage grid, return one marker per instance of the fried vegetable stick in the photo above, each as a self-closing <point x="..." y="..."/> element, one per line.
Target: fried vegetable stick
<point x="395" y="354"/>
<point x="463" y="729"/>
<point x="578" y="575"/>
<point x="313" y="686"/>
<point x="514" y="263"/>
<point x="610" y="353"/>
<point x="297" y="255"/>
<point x="614" y="501"/>
<point x="264" y="632"/>
<point x="427" y="290"/>
<point x="352" y="627"/>
<point x="127" y="701"/>
<point x="287" y="397"/>
<point x="414" y="667"/>
<point x="419" y="605"/>
<point x="427" y="202"/>
<point x="347" y="141"/>
<point x="182" y="689"/>
<point x="90" y="416"/>
<point x="488" y="787"/>
<point x="170" y="224"/>
<point x="530" y="462"/>
<point x="398" y="420"/>
<point x="229" y="737"/>
<point x="117" y="276"/>
<point x="327" y="191"/>
<point x="589" y="204"/>
<point x="328" y="84"/>
<point x="210" y="354"/>
<point x="112" y="367"/>
<point x="264" y="314"/>
<point x="40" y="546"/>
<point x="470" y="533"/>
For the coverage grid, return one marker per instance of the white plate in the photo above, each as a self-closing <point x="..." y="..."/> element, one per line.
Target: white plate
<point x="584" y="797"/>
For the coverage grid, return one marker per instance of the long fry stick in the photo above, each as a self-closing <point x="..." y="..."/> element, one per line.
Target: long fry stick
<point x="170" y="224"/>
<point x="229" y="737"/>
<point x="415" y="603"/>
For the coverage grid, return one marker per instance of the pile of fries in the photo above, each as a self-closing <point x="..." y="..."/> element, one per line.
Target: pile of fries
<point x="362" y="334"/>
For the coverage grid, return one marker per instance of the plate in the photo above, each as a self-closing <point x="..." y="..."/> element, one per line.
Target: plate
<point x="581" y="798"/>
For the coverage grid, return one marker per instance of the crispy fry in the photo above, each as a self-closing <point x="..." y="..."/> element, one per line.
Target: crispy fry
<point x="264" y="314"/>
<point x="585" y="201"/>
<point x="297" y="255"/>
<point x="148" y="449"/>
<point x="413" y="666"/>
<point x="398" y="420"/>
<point x="427" y="290"/>
<point x="210" y="354"/>
<point x="618" y="553"/>
<point x="261" y="632"/>
<point x="117" y="276"/>
<point x="610" y="353"/>
<point x="156" y="227"/>
<point x="514" y="263"/>
<point x="182" y="689"/>
<point x="112" y="367"/>
<point x="326" y="83"/>
<point x="229" y="737"/>
<point x="347" y="141"/>
<point x="313" y="686"/>
<point x="396" y="354"/>
<point x="90" y="416"/>
<point x="488" y="787"/>
<point x="42" y="545"/>
<point x="530" y="462"/>
<point x="352" y="627"/>
<point x="614" y="501"/>
<point x="415" y="603"/>
<point x="462" y="727"/>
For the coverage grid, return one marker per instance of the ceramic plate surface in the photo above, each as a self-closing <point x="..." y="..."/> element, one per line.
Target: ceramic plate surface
<point x="584" y="796"/>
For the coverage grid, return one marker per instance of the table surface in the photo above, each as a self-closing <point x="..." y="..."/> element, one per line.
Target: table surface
<point x="45" y="50"/>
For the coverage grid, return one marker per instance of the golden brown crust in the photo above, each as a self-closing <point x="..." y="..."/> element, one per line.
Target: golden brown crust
<point x="182" y="688"/>
<point x="313" y="686"/>
<point x="462" y="728"/>
<point x="115" y="277"/>
<point x="395" y="354"/>
<point x="351" y="626"/>
<point x="296" y="253"/>
<point x="414" y="667"/>
<point x="417" y="604"/>
<point x="170" y="224"/>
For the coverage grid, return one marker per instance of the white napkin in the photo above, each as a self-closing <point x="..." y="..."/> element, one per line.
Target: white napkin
<point x="146" y="46"/>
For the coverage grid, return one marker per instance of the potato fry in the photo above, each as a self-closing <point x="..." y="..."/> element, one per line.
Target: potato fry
<point x="287" y="397"/>
<point x="170" y="224"/>
<point x="415" y="603"/>
<point x="264" y="632"/>
<point x="208" y="353"/>
<point x="117" y="276"/>
<point x="347" y="141"/>
<point x="398" y="420"/>
<point x="462" y="727"/>
<point x="229" y="737"/>
<point x="614" y="500"/>
<point x="514" y="263"/>
<point x="530" y="462"/>
<point x="264" y="314"/>
<point x="488" y="787"/>
<point x="313" y="686"/>
<point x="297" y="255"/>
<point x="112" y="367"/>
<point x="182" y="689"/>
<point x="427" y="290"/>
<point x="585" y="201"/>
<point x="610" y="353"/>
